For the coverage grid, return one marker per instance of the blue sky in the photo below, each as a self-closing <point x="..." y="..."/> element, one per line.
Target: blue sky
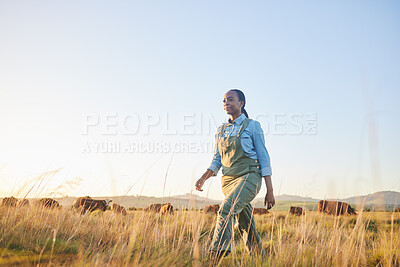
<point x="61" y="62"/>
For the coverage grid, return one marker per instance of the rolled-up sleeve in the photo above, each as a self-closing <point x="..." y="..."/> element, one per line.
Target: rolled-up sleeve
<point x="216" y="161"/>
<point x="261" y="150"/>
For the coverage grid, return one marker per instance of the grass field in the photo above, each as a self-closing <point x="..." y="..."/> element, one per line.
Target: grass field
<point x="61" y="237"/>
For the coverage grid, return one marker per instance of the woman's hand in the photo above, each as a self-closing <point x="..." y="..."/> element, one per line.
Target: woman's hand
<point x="269" y="200"/>
<point x="199" y="184"/>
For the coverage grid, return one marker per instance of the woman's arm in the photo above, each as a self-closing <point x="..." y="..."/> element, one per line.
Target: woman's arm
<point x="257" y="135"/>
<point x="199" y="184"/>
<point x="265" y="163"/>
<point x="216" y="161"/>
<point x="268" y="183"/>
<point x="214" y="167"/>
<point x="269" y="199"/>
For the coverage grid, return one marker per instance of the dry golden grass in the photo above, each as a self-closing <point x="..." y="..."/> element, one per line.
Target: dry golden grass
<point x="32" y="236"/>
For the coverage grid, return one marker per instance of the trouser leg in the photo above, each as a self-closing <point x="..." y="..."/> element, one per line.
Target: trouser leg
<point x="247" y="228"/>
<point x="238" y="194"/>
<point x="225" y="222"/>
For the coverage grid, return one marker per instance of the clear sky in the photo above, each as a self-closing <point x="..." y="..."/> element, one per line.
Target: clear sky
<point x="149" y="77"/>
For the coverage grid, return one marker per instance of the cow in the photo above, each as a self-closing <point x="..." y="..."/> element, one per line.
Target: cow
<point x="335" y="207"/>
<point x="10" y="201"/>
<point x="23" y="203"/>
<point x="296" y="210"/>
<point x="154" y="207"/>
<point x="118" y="209"/>
<point x="48" y="203"/>
<point x="211" y="209"/>
<point x="260" y="211"/>
<point x="84" y="204"/>
<point x="167" y="209"/>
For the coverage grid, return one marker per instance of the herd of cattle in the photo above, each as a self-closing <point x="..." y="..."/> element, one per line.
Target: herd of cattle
<point x="85" y="204"/>
<point x="324" y="206"/>
<point x="88" y="204"/>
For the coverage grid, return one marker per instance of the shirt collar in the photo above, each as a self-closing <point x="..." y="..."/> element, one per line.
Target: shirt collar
<point x="238" y="120"/>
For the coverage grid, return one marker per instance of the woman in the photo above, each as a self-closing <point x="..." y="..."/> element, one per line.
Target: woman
<point x="240" y="150"/>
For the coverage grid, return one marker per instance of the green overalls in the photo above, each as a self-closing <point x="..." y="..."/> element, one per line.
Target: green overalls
<point x="241" y="182"/>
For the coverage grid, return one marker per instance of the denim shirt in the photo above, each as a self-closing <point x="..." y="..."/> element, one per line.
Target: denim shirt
<point x="252" y="141"/>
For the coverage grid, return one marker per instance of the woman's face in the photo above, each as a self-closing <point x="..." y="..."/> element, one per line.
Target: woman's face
<point x="232" y="105"/>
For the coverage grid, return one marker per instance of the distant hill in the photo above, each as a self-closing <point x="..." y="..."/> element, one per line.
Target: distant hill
<point x="378" y="198"/>
<point x="285" y="197"/>
<point x="190" y="196"/>
<point x="384" y="200"/>
<point x="283" y="202"/>
<point x="285" y="205"/>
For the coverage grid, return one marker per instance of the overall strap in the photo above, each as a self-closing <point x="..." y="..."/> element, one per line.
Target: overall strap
<point x="222" y="130"/>
<point x="245" y="122"/>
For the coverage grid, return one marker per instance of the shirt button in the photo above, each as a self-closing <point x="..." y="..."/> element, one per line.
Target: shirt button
<point x="258" y="167"/>
<point x="256" y="161"/>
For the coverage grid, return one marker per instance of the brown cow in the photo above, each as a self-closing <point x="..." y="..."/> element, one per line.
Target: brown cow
<point x="335" y="207"/>
<point x="84" y="204"/>
<point x="10" y="201"/>
<point x="167" y="209"/>
<point x="154" y="207"/>
<point x="23" y="203"/>
<point x="296" y="210"/>
<point x="211" y="209"/>
<point x="118" y="209"/>
<point x="260" y="211"/>
<point x="48" y="203"/>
